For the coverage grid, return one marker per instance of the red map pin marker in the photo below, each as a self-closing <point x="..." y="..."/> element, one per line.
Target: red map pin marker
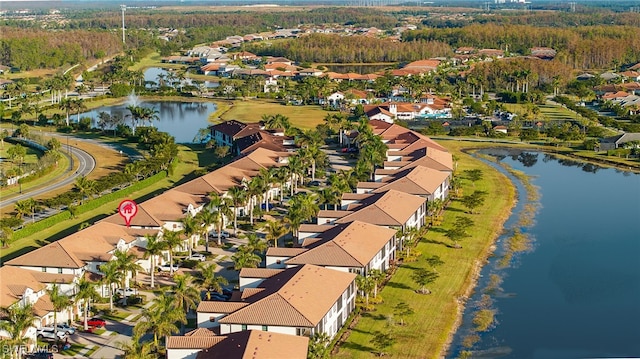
<point x="127" y="210"/>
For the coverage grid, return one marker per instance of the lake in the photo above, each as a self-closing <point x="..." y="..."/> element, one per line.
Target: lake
<point x="180" y="119"/>
<point x="576" y="292"/>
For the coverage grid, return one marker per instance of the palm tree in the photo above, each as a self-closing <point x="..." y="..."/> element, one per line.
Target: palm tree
<point x="59" y="302"/>
<point x="85" y="186"/>
<point x="245" y="258"/>
<point x="365" y="285"/>
<point x="17" y="320"/>
<point x="238" y="197"/>
<point x="206" y="219"/>
<point x="207" y="279"/>
<point x="275" y="230"/>
<point x="154" y="248"/>
<point x="377" y="276"/>
<point x="79" y="106"/>
<point x="85" y="292"/>
<point x="160" y="319"/>
<point x="185" y="295"/>
<point x="127" y="263"/>
<point x="110" y="276"/>
<point x="294" y="219"/>
<point x="67" y="105"/>
<point x="172" y="240"/>
<point x="255" y="243"/>
<point x="255" y="189"/>
<point x="189" y="228"/>
<point x="134" y="349"/>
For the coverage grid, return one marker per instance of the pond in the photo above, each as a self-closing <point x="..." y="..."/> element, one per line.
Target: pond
<point x="180" y="119"/>
<point x="575" y="292"/>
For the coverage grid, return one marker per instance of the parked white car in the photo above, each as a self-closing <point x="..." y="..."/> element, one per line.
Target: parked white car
<point x="48" y="333"/>
<point x="66" y="328"/>
<point x="167" y="268"/>
<point x="223" y="234"/>
<point x="126" y="292"/>
<point x="197" y="257"/>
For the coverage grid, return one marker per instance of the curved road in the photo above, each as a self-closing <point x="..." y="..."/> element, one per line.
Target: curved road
<point x="86" y="164"/>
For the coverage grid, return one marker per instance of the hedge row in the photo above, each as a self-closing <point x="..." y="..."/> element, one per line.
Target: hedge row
<point x="43" y="224"/>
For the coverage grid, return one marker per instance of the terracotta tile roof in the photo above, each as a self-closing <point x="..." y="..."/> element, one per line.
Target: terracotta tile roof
<point x="51" y="255"/>
<point x="14" y="281"/>
<point x="171" y="205"/>
<point x="206" y="306"/>
<point x="141" y="219"/>
<point x="314" y="228"/>
<point x="43" y="306"/>
<point x="324" y="213"/>
<point x="293" y="297"/>
<point x="390" y="208"/>
<point x="354" y="246"/>
<point x="259" y="272"/>
<point x="192" y="342"/>
<point x="255" y="344"/>
<point x="425" y="65"/>
<point x="44" y="277"/>
<point x="229" y="128"/>
<point x="418" y="180"/>
<point x="286" y="252"/>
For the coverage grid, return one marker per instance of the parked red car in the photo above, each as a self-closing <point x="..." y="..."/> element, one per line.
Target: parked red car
<point x="96" y="322"/>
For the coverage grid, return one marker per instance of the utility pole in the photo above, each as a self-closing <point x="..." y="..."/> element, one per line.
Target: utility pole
<point x="123" y="8"/>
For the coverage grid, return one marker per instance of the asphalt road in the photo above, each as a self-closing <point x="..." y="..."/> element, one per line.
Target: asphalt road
<point x="86" y="164"/>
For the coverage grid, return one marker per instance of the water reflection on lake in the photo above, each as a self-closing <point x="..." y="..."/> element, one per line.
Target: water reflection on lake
<point x="180" y="119"/>
<point x="575" y="293"/>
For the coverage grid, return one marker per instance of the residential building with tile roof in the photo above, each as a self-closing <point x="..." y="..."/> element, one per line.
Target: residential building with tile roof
<point x="256" y="344"/>
<point x="355" y="247"/>
<point x="392" y="209"/>
<point x="290" y="302"/>
<point x="420" y="181"/>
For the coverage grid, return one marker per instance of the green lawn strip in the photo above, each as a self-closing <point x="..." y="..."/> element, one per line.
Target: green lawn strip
<point x="428" y="329"/>
<point x="189" y="162"/>
<point x="73" y="350"/>
<point x="304" y="117"/>
<point x="117" y="315"/>
<point x="100" y="331"/>
<point x="91" y="351"/>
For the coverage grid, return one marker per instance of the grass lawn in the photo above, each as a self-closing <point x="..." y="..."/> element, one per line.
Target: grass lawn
<point x="190" y="161"/>
<point x="73" y="350"/>
<point x="304" y="117"/>
<point x="427" y="331"/>
<point x="548" y="112"/>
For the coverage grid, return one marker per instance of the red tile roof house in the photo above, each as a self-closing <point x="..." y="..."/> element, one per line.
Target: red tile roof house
<point x="354" y="247"/>
<point x="302" y="301"/>
<point x="425" y="182"/>
<point x="393" y="209"/>
<point x="20" y="287"/>
<point x="203" y="344"/>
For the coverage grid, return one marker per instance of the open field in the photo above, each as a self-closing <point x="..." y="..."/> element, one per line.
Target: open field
<point x="548" y="112"/>
<point x="304" y="117"/>
<point x="427" y="332"/>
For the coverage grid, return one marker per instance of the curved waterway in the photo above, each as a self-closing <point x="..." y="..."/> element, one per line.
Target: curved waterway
<point x="564" y="280"/>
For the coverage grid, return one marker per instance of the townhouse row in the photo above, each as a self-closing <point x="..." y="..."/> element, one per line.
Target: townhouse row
<point x="301" y="291"/>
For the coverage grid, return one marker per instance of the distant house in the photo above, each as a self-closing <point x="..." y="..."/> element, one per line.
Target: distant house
<point x="611" y="143"/>
<point x="501" y="129"/>
<point x="491" y="53"/>
<point x="545" y="53"/>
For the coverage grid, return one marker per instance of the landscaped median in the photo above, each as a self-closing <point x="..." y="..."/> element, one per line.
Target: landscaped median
<point x="427" y="332"/>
